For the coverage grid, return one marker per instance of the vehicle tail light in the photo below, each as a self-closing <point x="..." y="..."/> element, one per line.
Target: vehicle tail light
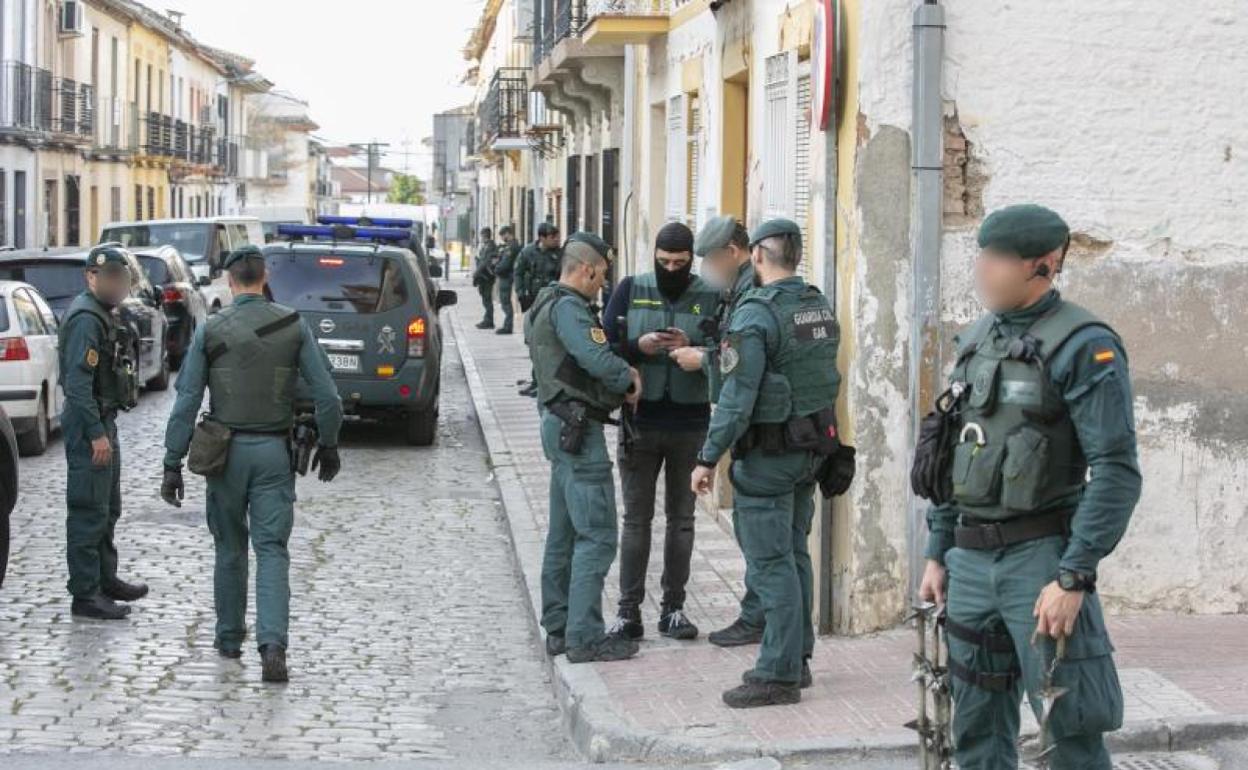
<point x="416" y="338"/>
<point x="172" y="294"/>
<point x="14" y="349"/>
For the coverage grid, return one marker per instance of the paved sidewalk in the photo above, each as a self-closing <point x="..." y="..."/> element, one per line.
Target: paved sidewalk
<point x="1183" y="675"/>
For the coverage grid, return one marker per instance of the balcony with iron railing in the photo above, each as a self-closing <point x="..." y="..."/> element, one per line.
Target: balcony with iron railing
<point x="33" y="101"/>
<point x="577" y="28"/>
<point x="502" y="114"/>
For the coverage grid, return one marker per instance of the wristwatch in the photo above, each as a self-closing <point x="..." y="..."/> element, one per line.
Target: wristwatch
<point x="1069" y="580"/>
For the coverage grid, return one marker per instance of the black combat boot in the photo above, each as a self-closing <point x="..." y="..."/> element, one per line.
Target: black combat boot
<point x="120" y="591"/>
<point x="503" y="330"/>
<point x="738" y="634"/>
<point x="628" y="625"/>
<point x="674" y="624"/>
<point x="807" y="678"/>
<point x="755" y="694"/>
<point x="606" y="649"/>
<point x="486" y="325"/>
<point x="233" y="653"/>
<point x="556" y="645"/>
<point x="99" y="607"/>
<point x="273" y="663"/>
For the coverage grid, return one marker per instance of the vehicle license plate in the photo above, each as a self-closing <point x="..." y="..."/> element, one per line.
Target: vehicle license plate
<point x="344" y="363"/>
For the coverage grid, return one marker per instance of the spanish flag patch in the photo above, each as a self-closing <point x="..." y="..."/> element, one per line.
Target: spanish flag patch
<point x="1103" y="356"/>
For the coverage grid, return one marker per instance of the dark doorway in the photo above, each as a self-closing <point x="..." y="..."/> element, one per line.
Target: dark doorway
<point x="73" y="212"/>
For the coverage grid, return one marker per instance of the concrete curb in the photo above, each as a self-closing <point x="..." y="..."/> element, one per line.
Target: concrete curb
<point x="603" y="735"/>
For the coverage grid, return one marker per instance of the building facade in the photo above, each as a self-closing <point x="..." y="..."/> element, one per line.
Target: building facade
<point x="111" y="111"/>
<point x="640" y="112"/>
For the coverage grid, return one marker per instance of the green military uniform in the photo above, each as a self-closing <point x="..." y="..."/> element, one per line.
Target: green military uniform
<point x="250" y="356"/>
<point x="1045" y="477"/>
<point x="716" y="235"/>
<point x="98" y="376"/>
<point x="505" y="272"/>
<point x="574" y="366"/>
<point x="546" y="267"/>
<point x="779" y="365"/>
<point x="526" y="263"/>
<point x="483" y="277"/>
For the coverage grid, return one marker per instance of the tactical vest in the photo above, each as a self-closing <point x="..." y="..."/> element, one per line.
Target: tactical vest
<point x="649" y="311"/>
<point x="116" y="381"/>
<point x="547" y="266"/>
<point x="559" y="377"/>
<point x="253" y="364"/>
<point x="801" y="376"/>
<point x="1017" y="452"/>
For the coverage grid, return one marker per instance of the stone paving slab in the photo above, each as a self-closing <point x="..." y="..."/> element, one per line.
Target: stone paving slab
<point x="1183" y="676"/>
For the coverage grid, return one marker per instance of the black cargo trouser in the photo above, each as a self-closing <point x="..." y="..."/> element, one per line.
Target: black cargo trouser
<point x="676" y="453"/>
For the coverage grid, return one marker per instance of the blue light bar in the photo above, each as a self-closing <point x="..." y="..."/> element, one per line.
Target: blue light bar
<point x="330" y="232"/>
<point x="326" y="219"/>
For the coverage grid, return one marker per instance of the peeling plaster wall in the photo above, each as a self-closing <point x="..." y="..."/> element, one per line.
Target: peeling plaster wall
<point x="1117" y="114"/>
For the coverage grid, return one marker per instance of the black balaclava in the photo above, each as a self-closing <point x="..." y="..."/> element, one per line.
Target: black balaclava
<point x="674" y="237"/>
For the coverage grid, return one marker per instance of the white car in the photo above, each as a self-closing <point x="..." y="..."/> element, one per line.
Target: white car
<point x="29" y="369"/>
<point x="203" y="242"/>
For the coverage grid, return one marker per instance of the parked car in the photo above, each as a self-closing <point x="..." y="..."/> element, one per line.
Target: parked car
<point x="375" y="313"/>
<point x="59" y="276"/>
<point x="184" y="305"/>
<point x="202" y="242"/>
<point x="29" y="369"/>
<point x="8" y="486"/>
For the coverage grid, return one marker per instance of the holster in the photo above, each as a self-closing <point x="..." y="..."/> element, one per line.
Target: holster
<point x="575" y="425"/>
<point x="210" y="447"/>
<point x="931" y="475"/>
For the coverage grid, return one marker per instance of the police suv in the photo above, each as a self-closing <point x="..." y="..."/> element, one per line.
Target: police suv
<point x="373" y="309"/>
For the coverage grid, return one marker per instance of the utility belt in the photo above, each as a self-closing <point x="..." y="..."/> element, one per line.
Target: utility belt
<point x="815" y="433"/>
<point x="576" y="416"/>
<point x="984" y="535"/>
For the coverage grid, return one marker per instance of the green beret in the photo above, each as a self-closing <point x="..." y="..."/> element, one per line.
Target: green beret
<point x="1027" y="230"/>
<point x="593" y="241"/>
<point x="715" y="234"/>
<point x="107" y="256"/>
<point x="242" y="252"/>
<point x="776" y="227"/>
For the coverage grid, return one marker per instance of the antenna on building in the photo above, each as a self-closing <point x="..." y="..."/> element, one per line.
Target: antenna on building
<point x="176" y="16"/>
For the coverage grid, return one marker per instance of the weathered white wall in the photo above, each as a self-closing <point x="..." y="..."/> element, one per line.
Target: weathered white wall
<point x="1125" y="117"/>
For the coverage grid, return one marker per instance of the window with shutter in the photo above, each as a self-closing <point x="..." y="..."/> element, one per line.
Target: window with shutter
<point x="676" y="148"/>
<point x="777" y="133"/>
<point x="801" y="171"/>
<point x="693" y="161"/>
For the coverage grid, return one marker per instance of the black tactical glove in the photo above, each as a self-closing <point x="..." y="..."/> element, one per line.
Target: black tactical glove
<point x="171" y="487"/>
<point x="327" y="460"/>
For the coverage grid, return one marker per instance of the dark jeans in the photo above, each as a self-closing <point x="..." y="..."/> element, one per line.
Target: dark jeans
<point x="676" y="452"/>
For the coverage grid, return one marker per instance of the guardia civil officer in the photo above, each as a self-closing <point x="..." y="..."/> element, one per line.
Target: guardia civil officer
<point x="648" y="316"/>
<point x="508" y="253"/>
<point x="537" y="267"/>
<point x="483" y="275"/>
<point x="1044" y="479"/>
<point x="534" y="265"/>
<point x="249" y="356"/>
<point x="579" y="382"/>
<point x="778" y="361"/>
<point x="724" y="246"/>
<point x="99" y="379"/>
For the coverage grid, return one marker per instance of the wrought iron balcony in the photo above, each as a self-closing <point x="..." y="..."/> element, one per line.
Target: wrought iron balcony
<point x="502" y="113"/>
<point x="32" y="100"/>
<point x="611" y="23"/>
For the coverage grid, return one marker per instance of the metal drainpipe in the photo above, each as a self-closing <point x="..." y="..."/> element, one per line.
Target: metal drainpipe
<point x="928" y="163"/>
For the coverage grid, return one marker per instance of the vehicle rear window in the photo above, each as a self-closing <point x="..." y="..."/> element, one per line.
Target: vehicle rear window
<point x="156" y="269"/>
<point x="337" y="284"/>
<point x="190" y="239"/>
<point x="55" y="281"/>
<point x="4" y="315"/>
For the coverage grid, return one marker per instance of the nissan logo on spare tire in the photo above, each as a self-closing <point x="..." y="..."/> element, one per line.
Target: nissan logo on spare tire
<point x="327" y="325"/>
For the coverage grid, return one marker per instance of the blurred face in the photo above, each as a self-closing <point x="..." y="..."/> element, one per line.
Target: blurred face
<point x="672" y="261"/>
<point x="109" y="286"/>
<point x="551" y="241"/>
<point x="719" y="267"/>
<point x="1004" y="281"/>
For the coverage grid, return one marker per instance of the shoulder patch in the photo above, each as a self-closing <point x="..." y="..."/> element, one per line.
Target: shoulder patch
<point x="93" y="357"/>
<point x="728" y="356"/>
<point x="1104" y="356"/>
<point x="598" y="335"/>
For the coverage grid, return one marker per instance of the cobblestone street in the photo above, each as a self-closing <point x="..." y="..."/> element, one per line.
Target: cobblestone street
<point x="407" y="632"/>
